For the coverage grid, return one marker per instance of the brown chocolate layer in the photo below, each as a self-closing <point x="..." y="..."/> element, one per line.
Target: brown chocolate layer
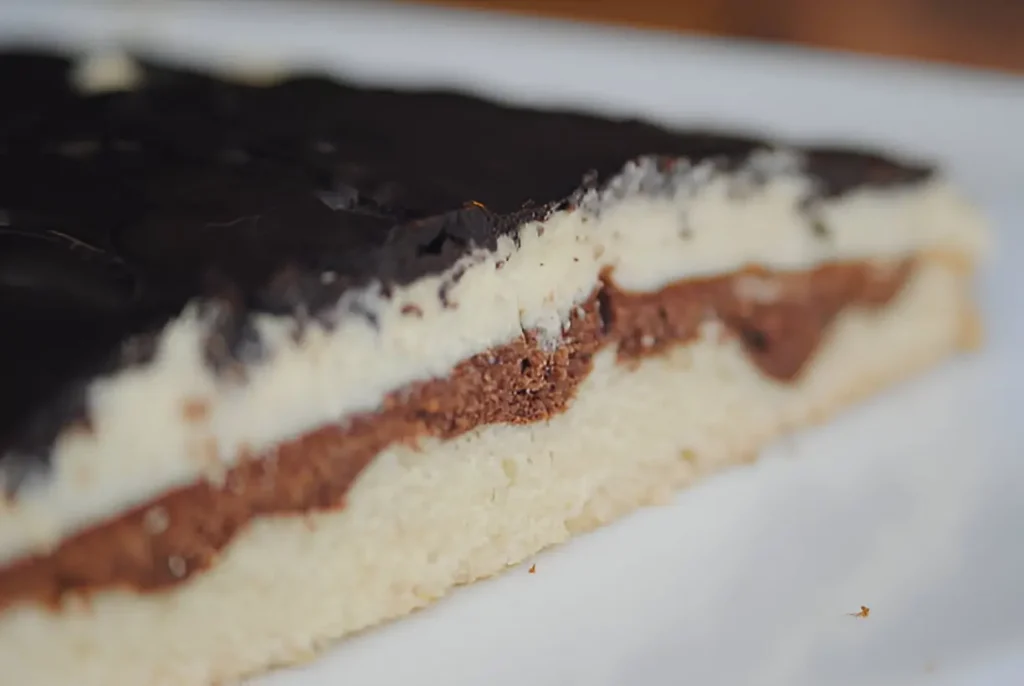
<point x="780" y="319"/>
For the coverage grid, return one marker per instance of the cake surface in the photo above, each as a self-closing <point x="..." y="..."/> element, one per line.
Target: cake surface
<point x="284" y="361"/>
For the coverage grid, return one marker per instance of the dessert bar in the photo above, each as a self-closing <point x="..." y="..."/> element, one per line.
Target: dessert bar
<point x="284" y="360"/>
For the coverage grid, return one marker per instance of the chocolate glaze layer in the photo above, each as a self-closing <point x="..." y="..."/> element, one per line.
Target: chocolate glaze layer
<point x="165" y="541"/>
<point x="117" y="209"/>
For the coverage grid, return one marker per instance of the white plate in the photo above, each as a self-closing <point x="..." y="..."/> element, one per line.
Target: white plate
<point x="912" y="505"/>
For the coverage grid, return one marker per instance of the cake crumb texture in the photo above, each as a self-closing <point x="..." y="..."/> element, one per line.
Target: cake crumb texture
<point x="423" y="519"/>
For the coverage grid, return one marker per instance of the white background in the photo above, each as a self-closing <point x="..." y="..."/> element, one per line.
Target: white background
<point x="912" y="504"/>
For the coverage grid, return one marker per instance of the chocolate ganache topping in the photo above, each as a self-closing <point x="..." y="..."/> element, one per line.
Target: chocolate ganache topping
<point x="118" y="208"/>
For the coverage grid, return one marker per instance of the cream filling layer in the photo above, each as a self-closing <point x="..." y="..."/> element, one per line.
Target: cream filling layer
<point x="649" y="228"/>
<point x="420" y="521"/>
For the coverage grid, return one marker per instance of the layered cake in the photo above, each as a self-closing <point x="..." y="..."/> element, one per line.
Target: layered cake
<point x="284" y="360"/>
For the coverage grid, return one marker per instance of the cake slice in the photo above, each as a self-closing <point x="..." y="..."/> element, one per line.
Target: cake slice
<point x="284" y="361"/>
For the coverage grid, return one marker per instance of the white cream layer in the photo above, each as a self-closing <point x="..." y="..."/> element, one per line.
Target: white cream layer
<point x="650" y="229"/>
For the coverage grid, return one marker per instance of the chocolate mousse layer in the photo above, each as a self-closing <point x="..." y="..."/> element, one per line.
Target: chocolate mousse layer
<point x="780" y="319"/>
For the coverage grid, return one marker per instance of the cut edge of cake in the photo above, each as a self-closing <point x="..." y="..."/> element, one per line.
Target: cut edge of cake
<point x="424" y="518"/>
<point x="646" y="228"/>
